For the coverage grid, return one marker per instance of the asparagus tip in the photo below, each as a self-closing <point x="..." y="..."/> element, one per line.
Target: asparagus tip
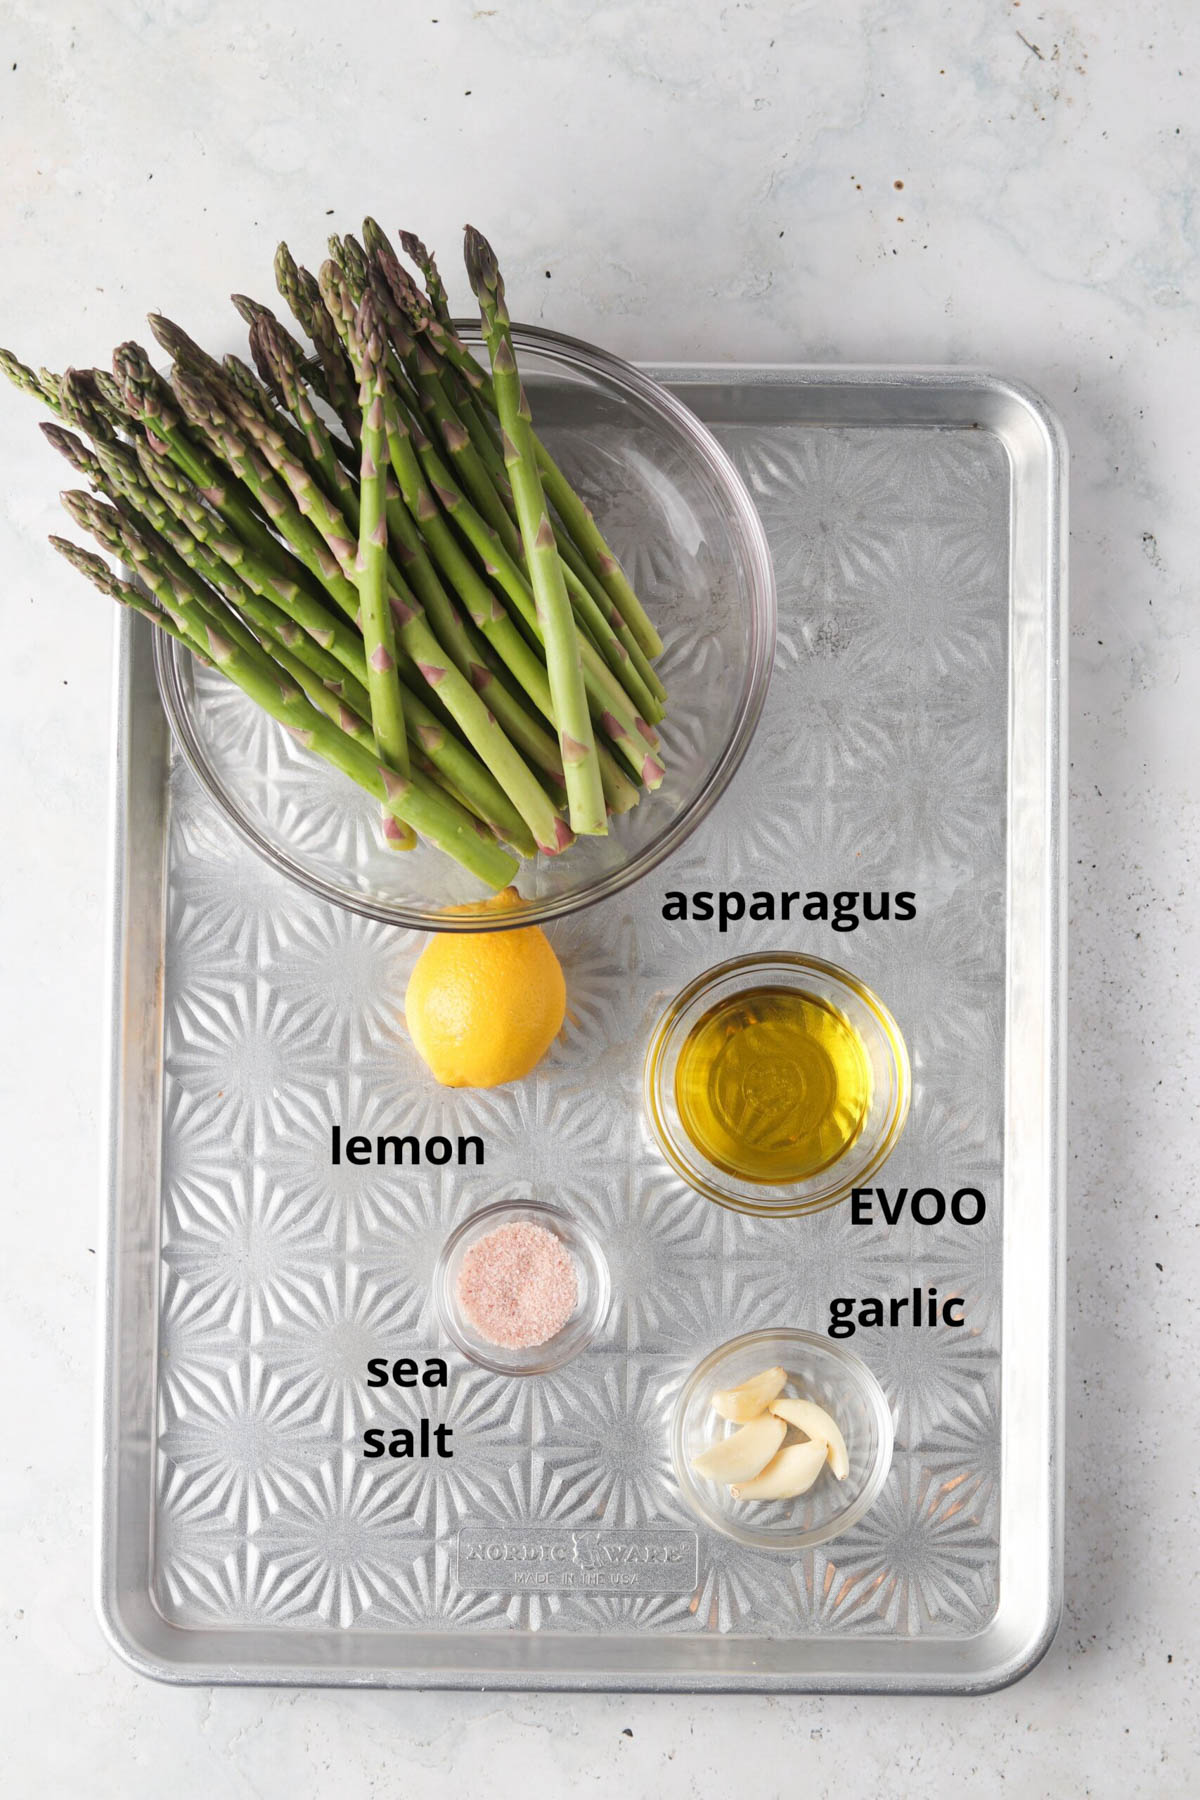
<point x="482" y="268"/>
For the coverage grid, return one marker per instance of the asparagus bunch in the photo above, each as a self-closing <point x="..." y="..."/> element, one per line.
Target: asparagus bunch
<point x="369" y="539"/>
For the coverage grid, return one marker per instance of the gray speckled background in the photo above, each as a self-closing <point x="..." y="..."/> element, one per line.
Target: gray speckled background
<point x="710" y="181"/>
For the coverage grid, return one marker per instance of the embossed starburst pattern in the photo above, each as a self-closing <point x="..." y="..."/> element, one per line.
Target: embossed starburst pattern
<point x="879" y="764"/>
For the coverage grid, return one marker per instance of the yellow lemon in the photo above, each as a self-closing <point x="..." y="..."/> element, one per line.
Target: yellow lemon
<point x="484" y="1009"/>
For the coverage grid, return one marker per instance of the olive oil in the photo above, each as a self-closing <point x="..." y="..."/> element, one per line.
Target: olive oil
<point x="773" y="1085"/>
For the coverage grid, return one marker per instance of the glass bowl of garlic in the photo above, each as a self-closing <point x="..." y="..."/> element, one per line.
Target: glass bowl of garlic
<point x="781" y="1439"/>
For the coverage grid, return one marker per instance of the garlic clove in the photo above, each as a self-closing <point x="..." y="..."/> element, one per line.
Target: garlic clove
<point x="744" y="1453"/>
<point x="752" y="1397"/>
<point x="816" y="1423"/>
<point x="790" y="1472"/>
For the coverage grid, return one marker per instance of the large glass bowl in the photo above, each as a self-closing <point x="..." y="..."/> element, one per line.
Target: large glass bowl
<point x="676" y="512"/>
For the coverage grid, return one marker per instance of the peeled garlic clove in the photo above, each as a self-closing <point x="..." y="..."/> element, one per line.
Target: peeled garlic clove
<point x="789" y="1473"/>
<point x="816" y="1423"/>
<point x="752" y="1397"/>
<point x="739" y="1457"/>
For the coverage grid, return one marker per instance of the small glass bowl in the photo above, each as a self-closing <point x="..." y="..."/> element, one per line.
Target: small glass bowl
<point x="591" y="1270"/>
<point x="890" y="1094"/>
<point x="818" y="1369"/>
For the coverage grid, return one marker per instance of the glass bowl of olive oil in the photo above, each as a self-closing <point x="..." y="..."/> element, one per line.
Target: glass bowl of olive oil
<point x="777" y="1083"/>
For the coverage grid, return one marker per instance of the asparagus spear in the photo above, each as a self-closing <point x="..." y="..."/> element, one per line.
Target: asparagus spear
<point x="118" y="529"/>
<point x="344" y="680"/>
<point x="199" y="540"/>
<point x="323" y="540"/>
<point x="79" y="404"/>
<point x="353" y="261"/>
<point x="83" y="460"/>
<point x="197" y="620"/>
<point x="38" y="387"/>
<point x="608" y="697"/>
<point x="375" y="617"/>
<point x="485" y="610"/>
<point x="239" y="376"/>
<point x="212" y="414"/>
<point x="607" y="700"/>
<point x="555" y="619"/>
<point x="314" y="374"/>
<point x="407" y="523"/>
<point x="571" y="509"/>
<point x="303" y="297"/>
<point x="620" y="793"/>
<point x="580" y="577"/>
<point x="183" y="348"/>
<point x="149" y="400"/>
<point x="434" y="287"/>
<point x="342" y="699"/>
<point x="232" y="372"/>
<point x="411" y="799"/>
<point x="329" y="634"/>
<point x="484" y="480"/>
<point x="98" y="571"/>
<point x="273" y="356"/>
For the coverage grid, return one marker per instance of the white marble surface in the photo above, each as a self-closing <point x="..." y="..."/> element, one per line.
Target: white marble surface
<point x="686" y="179"/>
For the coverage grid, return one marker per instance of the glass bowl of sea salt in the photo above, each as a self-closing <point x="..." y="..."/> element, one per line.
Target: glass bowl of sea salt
<point x="521" y="1287"/>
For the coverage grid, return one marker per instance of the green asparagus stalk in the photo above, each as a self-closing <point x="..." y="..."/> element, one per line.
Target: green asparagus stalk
<point x="201" y="541"/>
<point x="607" y="700"/>
<point x="580" y="578"/>
<point x="353" y="261"/>
<point x="177" y="590"/>
<point x="81" y="459"/>
<point x="616" y="691"/>
<point x="447" y="426"/>
<point x="183" y="348"/>
<point x="345" y="702"/>
<point x="484" y="480"/>
<point x="321" y="536"/>
<point x="39" y="387"/>
<point x="411" y="799"/>
<point x="239" y="376"/>
<point x="371" y="572"/>
<point x="562" y="496"/>
<point x="273" y="355"/>
<point x="212" y="414"/>
<point x="490" y="492"/>
<point x="149" y="400"/>
<point x="197" y="620"/>
<point x="232" y="372"/>
<point x="406" y="529"/>
<point x="344" y="679"/>
<point x="250" y="310"/>
<point x="486" y="612"/>
<point x="415" y="250"/>
<point x="556" y="621"/>
<point x="620" y="792"/>
<point x="238" y="506"/>
<point x="331" y="637"/>
<point x="80" y="405"/>
<point x="299" y="289"/>
<point x="125" y="594"/>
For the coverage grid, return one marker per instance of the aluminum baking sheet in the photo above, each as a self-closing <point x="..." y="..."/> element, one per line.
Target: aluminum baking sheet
<point x="911" y="740"/>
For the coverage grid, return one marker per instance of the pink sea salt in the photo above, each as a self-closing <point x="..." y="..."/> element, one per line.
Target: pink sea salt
<point x="517" y="1286"/>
